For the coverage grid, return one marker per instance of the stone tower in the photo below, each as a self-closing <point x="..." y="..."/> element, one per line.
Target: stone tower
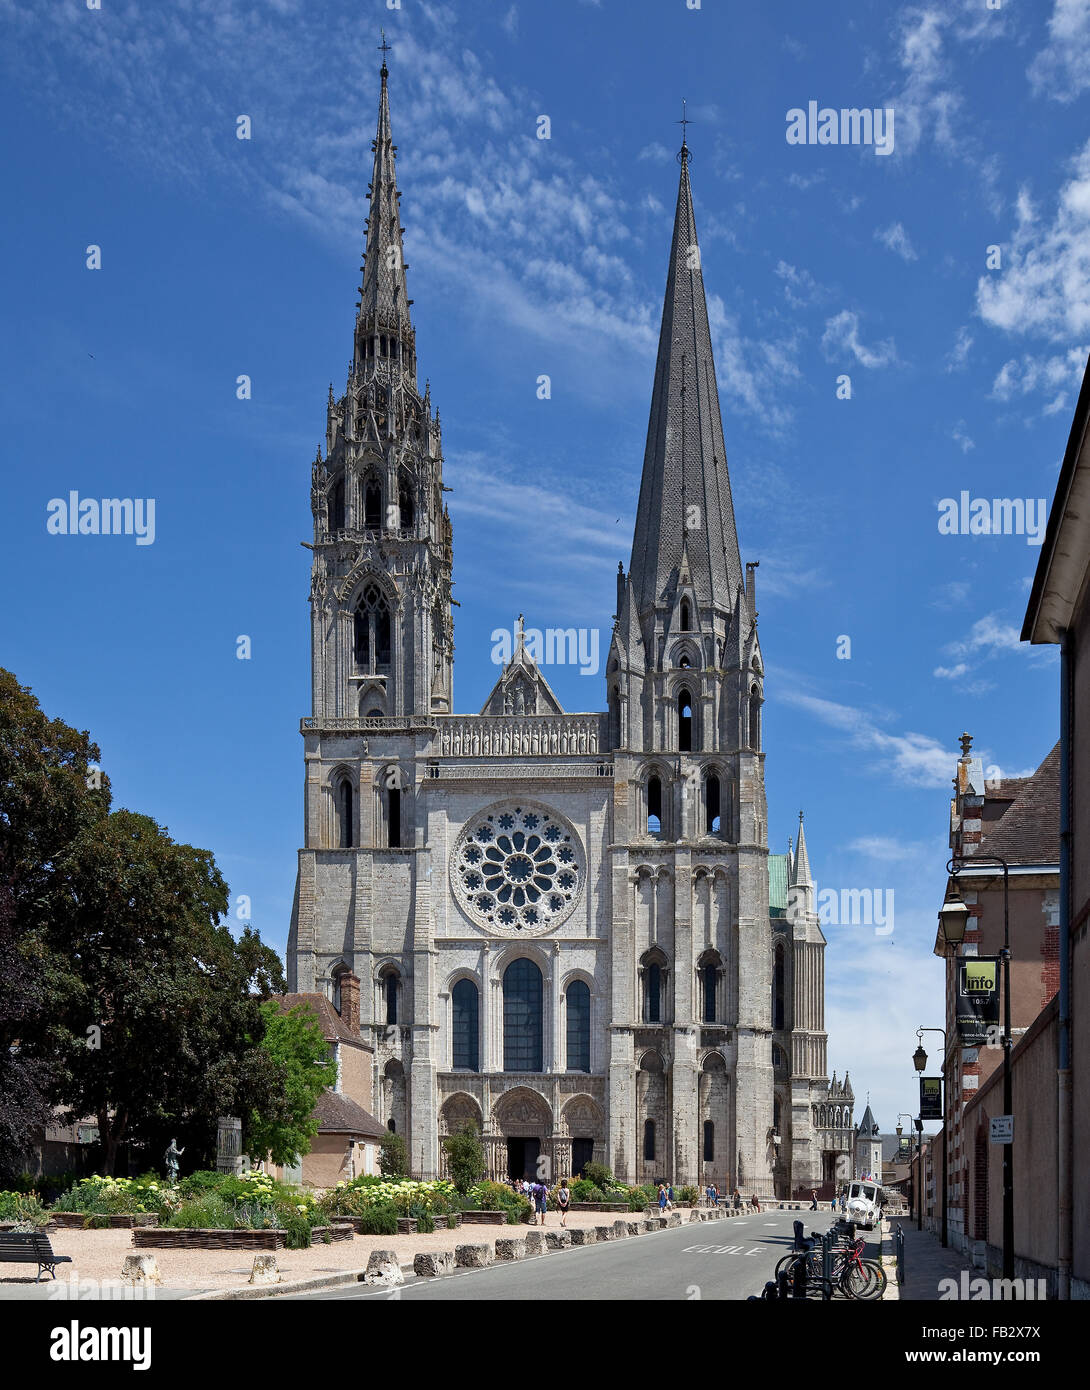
<point x="868" y="1148"/>
<point x="380" y="593"/>
<point x="685" y="683"/>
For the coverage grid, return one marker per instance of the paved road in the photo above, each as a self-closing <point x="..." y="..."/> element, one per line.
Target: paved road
<point x="716" y="1260"/>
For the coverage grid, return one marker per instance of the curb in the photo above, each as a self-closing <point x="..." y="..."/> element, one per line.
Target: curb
<point x="349" y="1276"/>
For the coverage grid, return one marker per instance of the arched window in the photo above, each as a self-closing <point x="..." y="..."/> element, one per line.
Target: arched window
<point x="709" y="979"/>
<point x="614" y="718"/>
<point x="336" y="507"/>
<point x="649" y="1141"/>
<point x="711" y="799"/>
<point x="755" y="719"/>
<point x="685" y="615"/>
<point x="391" y="1125"/>
<point x="346" y="817"/>
<point x="654" y="806"/>
<point x="371" y="630"/>
<point x="465" y="1018"/>
<point x="778" y="990"/>
<point x="777" y="1114"/>
<point x="578" y="1026"/>
<point x="405" y="504"/>
<point x="522" y="1009"/>
<point x="654" y="992"/>
<point x="391" y="992"/>
<point x="393" y="818"/>
<point x="709" y="1141"/>
<point x="685" y="722"/>
<point x="372" y="506"/>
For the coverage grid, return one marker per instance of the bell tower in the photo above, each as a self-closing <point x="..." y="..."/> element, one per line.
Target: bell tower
<point x="382" y="634"/>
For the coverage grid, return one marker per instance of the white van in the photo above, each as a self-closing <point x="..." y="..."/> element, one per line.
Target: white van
<point x="864" y="1205"/>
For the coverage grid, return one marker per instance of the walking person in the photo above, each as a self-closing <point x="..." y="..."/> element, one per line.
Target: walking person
<point x="754" y="1203"/>
<point x="541" y="1200"/>
<point x="813" y="1200"/>
<point x="670" y="1196"/>
<point x="563" y="1201"/>
<point x="663" y="1199"/>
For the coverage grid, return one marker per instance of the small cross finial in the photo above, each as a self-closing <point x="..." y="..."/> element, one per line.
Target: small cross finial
<point x="683" y="153"/>
<point x="385" y="47"/>
<point x="966" y="744"/>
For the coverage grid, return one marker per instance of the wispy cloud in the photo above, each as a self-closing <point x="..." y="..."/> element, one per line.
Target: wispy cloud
<point x="842" y="336"/>
<point x="915" y="759"/>
<point x="1061" y="70"/>
<point x="894" y="238"/>
<point x="958" y="355"/>
<point x="1056" y="377"/>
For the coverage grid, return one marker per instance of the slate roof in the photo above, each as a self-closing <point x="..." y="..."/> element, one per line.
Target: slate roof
<point x="1029" y="831"/>
<point x="777" y="884"/>
<point x="868" y="1125"/>
<point x="334" y="1028"/>
<point x="339" y="1115"/>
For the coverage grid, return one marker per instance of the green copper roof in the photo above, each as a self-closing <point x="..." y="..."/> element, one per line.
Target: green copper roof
<point x="777" y="885"/>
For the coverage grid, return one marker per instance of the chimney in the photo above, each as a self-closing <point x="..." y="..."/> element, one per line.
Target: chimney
<point x="350" y="1002"/>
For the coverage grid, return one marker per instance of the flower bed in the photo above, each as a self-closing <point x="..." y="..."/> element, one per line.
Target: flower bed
<point x="182" y="1238"/>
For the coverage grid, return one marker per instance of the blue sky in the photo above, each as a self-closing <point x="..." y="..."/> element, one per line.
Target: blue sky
<point x="223" y="257"/>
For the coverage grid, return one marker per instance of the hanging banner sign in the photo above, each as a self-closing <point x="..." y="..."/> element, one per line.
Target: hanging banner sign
<point x="977" y="998"/>
<point x="931" y="1098"/>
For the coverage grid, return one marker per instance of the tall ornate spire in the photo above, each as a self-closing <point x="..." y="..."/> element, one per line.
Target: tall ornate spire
<point x="383" y="310"/>
<point x="685" y="500"/>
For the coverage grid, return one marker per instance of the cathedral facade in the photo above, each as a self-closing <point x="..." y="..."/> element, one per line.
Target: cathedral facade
<point x="568" y="927"/>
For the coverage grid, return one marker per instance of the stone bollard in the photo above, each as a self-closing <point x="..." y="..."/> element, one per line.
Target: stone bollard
<point x="511" y="1249"/>
<point x="605" y="1233"/>
<point x="535" y="1243"/>
<point x="383" y="1268"/>
<point x="585" y="1235"/>
<point x="265" y="1270"/>
<point x="431" y="1264"/>
<point x="472" y="1256"/>
<point x="620" y="1230"/>
<point x="635" y="1228"/>
<point x="142" y="1269"/>
<point x="675" y="1218"/>
<point x="558" y="1240"/>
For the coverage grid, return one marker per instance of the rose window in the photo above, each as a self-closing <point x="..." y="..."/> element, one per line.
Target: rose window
<point x="518" y="869"/>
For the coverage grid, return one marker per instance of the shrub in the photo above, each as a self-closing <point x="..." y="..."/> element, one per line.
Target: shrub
<point x="379" y="1220"/>
<point x="599" y="1175"/>
<point x="209" y="1212"/>
<point x="393" y="1157"/>
<point x="296" y="1226"/>
<point x="425" y="1223"/>
<point x="465" y="1156"/>
<point x="24" y="1209"/>
<point x="583" y="1190"/>
<point x="641" y="1197"/>
<point x="688" y="1194"/>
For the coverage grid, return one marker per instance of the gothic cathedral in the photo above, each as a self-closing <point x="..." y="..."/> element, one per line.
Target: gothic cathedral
<point x="569" y="928"/>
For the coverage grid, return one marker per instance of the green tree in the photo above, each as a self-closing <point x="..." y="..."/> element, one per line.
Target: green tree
<point x="175" y="997"/>
<point x="293" y="1039"/>
<point x="393" y="1157"/>
<point x="51" y="793"/>
<point x="465" y="1157"/>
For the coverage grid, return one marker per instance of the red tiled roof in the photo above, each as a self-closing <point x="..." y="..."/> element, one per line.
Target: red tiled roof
<point x="334" y="1028"/>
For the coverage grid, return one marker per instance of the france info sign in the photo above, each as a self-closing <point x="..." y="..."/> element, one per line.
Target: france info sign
<point x="930" y="1097"/>
<point x="977" y="998"/>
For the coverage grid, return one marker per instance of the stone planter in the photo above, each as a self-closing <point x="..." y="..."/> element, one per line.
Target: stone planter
<point x="78" y="1220"/>
<point x="599" y="1206"/>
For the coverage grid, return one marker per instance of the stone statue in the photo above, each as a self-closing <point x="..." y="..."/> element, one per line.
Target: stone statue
<point x="170" y="1158"/>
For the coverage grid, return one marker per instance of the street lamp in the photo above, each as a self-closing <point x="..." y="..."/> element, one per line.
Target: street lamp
<point x="953" y="868"/>
<point x="919" y="1061"/>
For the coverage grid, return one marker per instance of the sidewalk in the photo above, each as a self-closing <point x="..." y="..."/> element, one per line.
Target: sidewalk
<point x="926" y="1263"/>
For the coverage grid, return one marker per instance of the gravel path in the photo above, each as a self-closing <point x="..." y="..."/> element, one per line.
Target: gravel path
<point x="99" y="1255"/>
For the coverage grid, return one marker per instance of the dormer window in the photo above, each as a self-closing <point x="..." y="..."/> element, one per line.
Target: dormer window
<point x="685" y="618"/>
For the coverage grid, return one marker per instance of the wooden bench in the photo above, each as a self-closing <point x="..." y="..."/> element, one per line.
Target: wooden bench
<point x="30" y="1248"/>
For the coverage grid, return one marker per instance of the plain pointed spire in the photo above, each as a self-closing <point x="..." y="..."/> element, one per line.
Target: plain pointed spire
<point x="685" y="499"/>
<point x="800" y="874"/>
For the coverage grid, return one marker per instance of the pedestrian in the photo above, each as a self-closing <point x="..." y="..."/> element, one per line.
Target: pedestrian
<point x="670" y="1196"/>
<point x="813" y="1200"/>
<point x="563" y="1201"/>
<point x="737" y="1200"/>
<point x="541" y="1200"/>
<point x="663" y="1199"/>
<point x="754" y="1203"/>
<point x="833" y="1203"/>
